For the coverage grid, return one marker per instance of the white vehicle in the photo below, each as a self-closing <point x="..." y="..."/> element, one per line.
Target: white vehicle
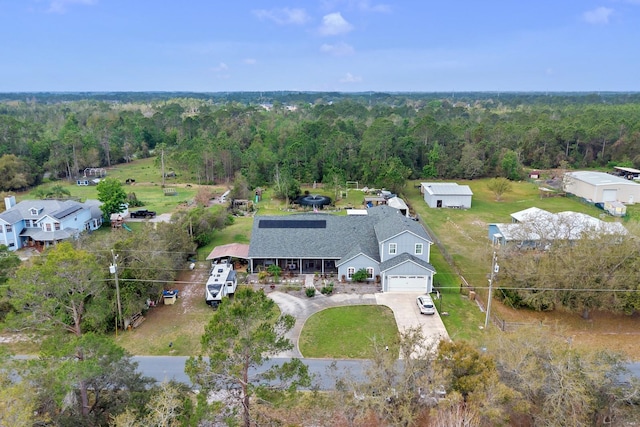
<point x="425" y="304"/>
<point x="222" y="282"/>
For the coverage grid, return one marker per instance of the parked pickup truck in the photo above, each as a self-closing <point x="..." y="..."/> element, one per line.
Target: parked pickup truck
<point x="143" y="213"/>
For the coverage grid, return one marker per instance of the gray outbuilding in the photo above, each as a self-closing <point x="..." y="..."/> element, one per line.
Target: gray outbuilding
<point x="446" y="195"/>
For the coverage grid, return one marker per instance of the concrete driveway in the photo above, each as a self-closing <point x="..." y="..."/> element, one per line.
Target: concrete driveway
<point x="407" y="315"/>
<point x="403" y="305"/>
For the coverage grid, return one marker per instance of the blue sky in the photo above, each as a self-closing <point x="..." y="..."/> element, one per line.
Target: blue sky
<point x="325" y="45"/>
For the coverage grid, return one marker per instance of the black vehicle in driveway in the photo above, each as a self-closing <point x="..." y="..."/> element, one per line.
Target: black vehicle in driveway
<point x="143" y="213"/>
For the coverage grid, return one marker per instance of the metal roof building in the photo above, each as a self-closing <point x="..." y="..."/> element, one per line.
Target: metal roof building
<point x="446" y="195"/>
<point x="600" y="187"/>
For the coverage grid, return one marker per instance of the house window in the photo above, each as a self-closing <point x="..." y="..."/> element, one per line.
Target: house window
<point x="350" y="272"/>
<point x="8" y="228"/>
<point x="419" y="248"/>
<point x="393" y="248"/>
<point x="27" y="223"/>
<point x="57" y="226"/>
<point x="48" y="227"/>
<point x="370" y="273"/>
<point x="34" y="211"/>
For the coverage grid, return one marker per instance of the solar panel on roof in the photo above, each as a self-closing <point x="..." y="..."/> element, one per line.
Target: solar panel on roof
<point x="294" y="223"/>
<point x="66" y="212"/>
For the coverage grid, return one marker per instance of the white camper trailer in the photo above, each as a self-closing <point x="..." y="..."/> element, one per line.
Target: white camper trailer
<point x="222" y="282"/>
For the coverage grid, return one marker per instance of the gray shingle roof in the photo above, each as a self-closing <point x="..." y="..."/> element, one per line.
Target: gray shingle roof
<point x="404" y="257"/>
<point x="54" y="208"/>
<point x="343" y="236"/>
<point x="394" y="223"/>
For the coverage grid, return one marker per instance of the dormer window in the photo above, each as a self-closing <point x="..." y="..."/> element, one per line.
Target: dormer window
<point x="393" y="248"/>
<point x="33" y="211"/>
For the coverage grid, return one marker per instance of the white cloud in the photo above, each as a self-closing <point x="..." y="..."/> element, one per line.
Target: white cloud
<point x="60" y="6"/>
<point x="361" y="5"/>
<point x="334" y="24"/>
<point x="350" y="78"/>
<point x="366" y="6"/>
<point x="283" y="16"/>
<point x="338" y="49"/>
<point x="599" y="15"/>
<point x="221" y="67"/>
<point x="250" y="61"/>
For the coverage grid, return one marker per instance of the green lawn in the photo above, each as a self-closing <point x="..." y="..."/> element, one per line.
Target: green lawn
<point x="463" y="317"/>
<point x="238" y="232"/>
<point x="148" y="186"/>
<point x="464" y="233"/>
<point x="348" y="332"/>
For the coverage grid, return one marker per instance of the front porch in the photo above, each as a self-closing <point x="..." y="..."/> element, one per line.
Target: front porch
<point x="297" y="266"/>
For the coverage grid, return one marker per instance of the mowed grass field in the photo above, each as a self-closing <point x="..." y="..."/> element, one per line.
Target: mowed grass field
<point x="464" y="233"/>
<point x="147" y="187"/>
<point x="348" y="332"/>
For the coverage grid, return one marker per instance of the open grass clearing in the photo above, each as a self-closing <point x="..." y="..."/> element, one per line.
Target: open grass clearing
<point x="147" y="186"/>
<point x="348" y="332"/>
<point x="181" y="324"/>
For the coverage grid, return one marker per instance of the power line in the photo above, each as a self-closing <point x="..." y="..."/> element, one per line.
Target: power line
<point x="548" y="289"/>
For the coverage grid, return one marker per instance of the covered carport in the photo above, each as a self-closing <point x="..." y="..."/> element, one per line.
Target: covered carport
<point x="231" y="251"/>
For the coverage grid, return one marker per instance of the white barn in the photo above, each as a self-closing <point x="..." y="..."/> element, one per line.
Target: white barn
<point x="446" y="195"/>
<point x="600" y="187"/>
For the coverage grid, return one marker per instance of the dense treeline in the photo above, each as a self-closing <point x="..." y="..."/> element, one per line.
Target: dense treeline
<point x="379" y="139"/>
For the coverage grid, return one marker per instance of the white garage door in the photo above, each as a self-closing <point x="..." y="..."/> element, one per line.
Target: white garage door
<point x="407" y="283"/>
<point x="609" y="195"/>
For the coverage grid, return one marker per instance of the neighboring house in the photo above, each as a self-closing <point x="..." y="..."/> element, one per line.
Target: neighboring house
<point x="600" y="187"/>
<point x="391" y="247"/>
<point x="537" y="228"/>
<point x="446" y="195"/>
<point x="40" y="223"/>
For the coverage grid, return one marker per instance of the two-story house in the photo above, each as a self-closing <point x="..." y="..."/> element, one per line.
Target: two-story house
<point x="40" y="223"/>
<point x="392" y="248"/>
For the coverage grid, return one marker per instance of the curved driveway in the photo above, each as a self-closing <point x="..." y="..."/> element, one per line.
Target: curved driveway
<point x="403" y="306"/>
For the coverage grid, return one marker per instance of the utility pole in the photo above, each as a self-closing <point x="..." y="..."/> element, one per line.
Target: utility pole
<point x="494" y="269"/>
<point x="113" y="269"/>
<point x="162" y="163"/>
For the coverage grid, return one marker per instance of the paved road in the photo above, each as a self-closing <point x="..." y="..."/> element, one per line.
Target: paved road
<point x="167" y="368"/>
<point x="403" y="305"/>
